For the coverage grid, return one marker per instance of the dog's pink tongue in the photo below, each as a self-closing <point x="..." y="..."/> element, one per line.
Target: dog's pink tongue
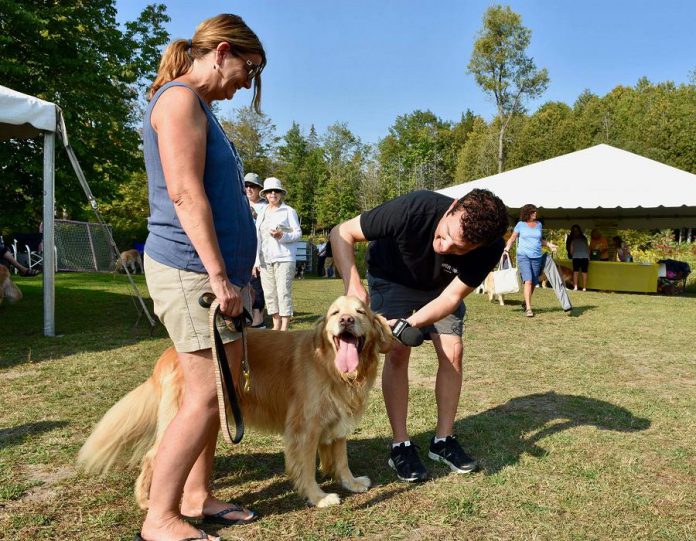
<point x="347" y="356"/>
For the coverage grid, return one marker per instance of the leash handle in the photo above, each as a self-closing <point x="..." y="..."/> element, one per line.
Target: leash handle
<point x="227" y="396"/>
<point x="240" y="322"/>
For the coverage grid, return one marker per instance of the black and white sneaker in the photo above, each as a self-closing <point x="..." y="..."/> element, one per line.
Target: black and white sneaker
<point x="451" y="453"/>
<point x="406" y="463"/>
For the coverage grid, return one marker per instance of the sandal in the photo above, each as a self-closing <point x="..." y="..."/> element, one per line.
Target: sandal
<point x="219" y="518"/>
<point x="202" y="535"/>
<point x="529" y="313"/>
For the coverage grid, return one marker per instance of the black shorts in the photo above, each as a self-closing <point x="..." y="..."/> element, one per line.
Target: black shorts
<point x="581" y="265"/>
<point x="395" y="301"/>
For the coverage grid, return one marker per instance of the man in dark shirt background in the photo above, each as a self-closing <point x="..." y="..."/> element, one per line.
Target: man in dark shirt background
<point x="427" y="253"/>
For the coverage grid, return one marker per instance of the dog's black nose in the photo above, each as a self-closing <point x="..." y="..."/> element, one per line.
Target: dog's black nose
<point x="347" y="320"/>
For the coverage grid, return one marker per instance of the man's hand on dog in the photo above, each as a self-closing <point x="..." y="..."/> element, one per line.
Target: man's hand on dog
<point x="359" y="291"/>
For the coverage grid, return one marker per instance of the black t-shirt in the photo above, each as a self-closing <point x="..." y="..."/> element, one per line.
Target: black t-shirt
<point x="402" y="231"/>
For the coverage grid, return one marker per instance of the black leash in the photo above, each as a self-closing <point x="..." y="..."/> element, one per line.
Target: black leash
<point x="226" y="392"/>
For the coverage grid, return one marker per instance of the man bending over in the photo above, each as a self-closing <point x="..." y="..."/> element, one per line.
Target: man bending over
<point x="427" y="253"/>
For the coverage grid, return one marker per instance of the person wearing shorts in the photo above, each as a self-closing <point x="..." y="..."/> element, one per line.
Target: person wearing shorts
<point x="201" y="238"/>
<point x="427" y="252"/>
<point x="579" y="251"/>
<point x="529" y="232"/>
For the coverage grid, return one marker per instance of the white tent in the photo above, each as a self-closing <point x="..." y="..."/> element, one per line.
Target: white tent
<point x="601" y="185"/>
<point x="24" y="117"/>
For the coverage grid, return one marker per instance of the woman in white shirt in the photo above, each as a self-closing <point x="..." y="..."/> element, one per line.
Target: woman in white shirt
<point x="277" y="230"/>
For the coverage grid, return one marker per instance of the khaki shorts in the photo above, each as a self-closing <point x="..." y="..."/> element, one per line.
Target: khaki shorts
<point x="175" y="295"/>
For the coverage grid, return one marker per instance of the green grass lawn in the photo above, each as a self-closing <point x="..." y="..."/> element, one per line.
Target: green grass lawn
<point x="585" y="426"/>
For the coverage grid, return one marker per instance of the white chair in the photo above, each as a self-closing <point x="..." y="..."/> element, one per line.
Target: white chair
<point x="34" y="259"/>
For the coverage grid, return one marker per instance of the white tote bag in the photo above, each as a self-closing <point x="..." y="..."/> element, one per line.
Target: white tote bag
<point x="505" y="279"/>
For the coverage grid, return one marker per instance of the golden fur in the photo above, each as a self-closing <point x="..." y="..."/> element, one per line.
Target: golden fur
<point x="565" y="273"/>
<point x="8" y="290"/>
<point x="301" y="387"/>
<point x="130" y="259"/>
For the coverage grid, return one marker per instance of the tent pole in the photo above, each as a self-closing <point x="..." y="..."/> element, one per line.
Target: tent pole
<point x="49" y="264"/>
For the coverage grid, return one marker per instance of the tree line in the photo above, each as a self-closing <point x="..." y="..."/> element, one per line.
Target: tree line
<point x="75" y="54"/>
<point x="334" y="176"/>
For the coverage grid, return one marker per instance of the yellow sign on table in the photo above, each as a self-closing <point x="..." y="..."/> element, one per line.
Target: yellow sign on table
<point x="615" y="276"/>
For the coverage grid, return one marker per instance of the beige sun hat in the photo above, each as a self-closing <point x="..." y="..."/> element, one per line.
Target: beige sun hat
<point x="252" y="178"/>
<point x="272" y="183"/>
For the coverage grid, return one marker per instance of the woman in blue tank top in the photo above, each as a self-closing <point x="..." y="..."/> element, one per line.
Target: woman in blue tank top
<point x="201" y="238"/>
<point x="529" y="232"/>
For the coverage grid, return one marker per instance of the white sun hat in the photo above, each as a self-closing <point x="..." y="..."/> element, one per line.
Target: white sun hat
<point x="272" y="183"/>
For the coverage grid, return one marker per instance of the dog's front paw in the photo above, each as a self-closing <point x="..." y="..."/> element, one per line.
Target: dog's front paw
<point x="357" y="484"/>
<point x="329" y="500"/>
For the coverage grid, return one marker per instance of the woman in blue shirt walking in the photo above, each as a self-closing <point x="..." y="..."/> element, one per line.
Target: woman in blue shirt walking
<point x="529" y="232"/>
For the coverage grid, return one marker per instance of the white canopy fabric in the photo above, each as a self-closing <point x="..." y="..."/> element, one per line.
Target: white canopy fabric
<point x="601" y="185"/>
<point x="23" y="116"/>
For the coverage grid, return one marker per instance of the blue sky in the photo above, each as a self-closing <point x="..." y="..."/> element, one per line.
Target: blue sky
<point x="365" y="62"/>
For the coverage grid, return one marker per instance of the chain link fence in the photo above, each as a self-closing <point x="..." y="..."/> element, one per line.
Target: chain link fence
<point x="83" y="247"/>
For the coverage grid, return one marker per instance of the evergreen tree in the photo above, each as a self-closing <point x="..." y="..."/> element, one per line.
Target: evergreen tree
<point x="254" y="136"/>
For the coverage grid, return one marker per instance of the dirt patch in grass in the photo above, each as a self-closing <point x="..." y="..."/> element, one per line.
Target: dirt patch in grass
<point x="47" y="479"/>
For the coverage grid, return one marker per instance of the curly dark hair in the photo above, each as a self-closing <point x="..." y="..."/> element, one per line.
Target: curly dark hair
<point x="526" y="212"/>
<point x="485" y="217"/>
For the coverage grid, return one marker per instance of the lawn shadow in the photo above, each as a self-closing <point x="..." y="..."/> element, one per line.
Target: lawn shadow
<point x="88" y="317"/>
<point x="499" y="436"/>
<point x="580" y="310"/>
<point x="302" y="318"/>
<point x="280" y="496"/>
<point x="17" y="434"/>
<point x="576" y="311"/>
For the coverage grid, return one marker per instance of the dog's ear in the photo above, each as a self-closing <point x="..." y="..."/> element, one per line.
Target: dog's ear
<point x="319" y="337"/>
<point x="384" y="334"/>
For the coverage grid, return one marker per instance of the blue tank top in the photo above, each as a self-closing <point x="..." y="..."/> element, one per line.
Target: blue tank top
<point x="223" y="180"/>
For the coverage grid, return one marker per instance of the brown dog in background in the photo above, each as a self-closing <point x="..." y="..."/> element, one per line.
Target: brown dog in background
<point x="8" y="290"/>
<point x="565" y="273"/>
<point x="311" y="386"/>
<point x="130" y="259"/>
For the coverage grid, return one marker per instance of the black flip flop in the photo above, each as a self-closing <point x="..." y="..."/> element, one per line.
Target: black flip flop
<point x="139" y="537"/>
<point x="219" y="518"/>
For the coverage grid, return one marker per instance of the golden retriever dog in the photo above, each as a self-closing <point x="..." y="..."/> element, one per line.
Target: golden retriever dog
<point x="565" y="273"/>
<point x="311" y="386"/>
<point x="487" y="286"/>
<point x="8" y="290"/>
<point x="130" y="259"/>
